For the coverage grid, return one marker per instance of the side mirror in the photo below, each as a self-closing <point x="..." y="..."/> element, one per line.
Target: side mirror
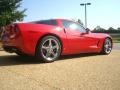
<point x="88" y="30"/>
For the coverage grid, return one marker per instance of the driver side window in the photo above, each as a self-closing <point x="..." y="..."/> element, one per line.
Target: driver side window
<point x="81" y="28"/>
<point x="73" y="26"/>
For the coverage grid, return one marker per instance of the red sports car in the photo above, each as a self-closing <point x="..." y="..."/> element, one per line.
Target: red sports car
<point x="48" y="39"/>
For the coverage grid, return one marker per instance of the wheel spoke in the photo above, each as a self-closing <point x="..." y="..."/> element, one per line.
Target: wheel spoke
<point x="53" y="53"/>
<point x="50" y="48"/>
<point x="45" y="47"/>
<point x="50" y="42"/>
<point x="47" y="54"/>
<point x="108" y="46"/>
<point x="55" y="47"/>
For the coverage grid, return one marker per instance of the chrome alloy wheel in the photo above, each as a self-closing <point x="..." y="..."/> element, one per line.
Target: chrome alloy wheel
<point x="50" y="48"/>
<point x="107" y="46"/>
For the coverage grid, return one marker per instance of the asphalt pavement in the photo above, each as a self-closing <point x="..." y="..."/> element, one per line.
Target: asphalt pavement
<point x="74" y="72"/>
<point x="116" y="46"/>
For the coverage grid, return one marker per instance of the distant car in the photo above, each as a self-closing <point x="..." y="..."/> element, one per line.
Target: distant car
<point x="48" y="39"/>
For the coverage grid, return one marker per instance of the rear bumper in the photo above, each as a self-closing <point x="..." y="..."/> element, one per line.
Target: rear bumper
<point x="15" y="49"/>
<point x="12" y="45"/>
<point x="18" y="45"/>
<point x="11" y="49"/>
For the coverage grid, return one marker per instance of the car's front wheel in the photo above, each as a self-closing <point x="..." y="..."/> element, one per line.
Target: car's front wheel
<point x="107" y="46"/>
<point x="49" y="49"/>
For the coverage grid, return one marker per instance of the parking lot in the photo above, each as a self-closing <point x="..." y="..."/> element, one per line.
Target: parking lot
<point x="74" y="72"/>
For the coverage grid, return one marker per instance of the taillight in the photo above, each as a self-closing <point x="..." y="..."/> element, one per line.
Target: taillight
<point x="14" y="32"/>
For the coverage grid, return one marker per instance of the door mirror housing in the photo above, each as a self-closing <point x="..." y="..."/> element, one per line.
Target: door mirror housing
<point x="87" y="30"/>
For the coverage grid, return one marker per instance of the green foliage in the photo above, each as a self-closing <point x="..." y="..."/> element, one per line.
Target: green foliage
<point x="98" y="29"/>
<point x="9" y="11"/>
<point x="118" y="28"/>
<point x="115" y="33"/>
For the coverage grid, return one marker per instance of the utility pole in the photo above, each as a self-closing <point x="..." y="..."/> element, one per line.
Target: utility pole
<point x="85" y="4"/>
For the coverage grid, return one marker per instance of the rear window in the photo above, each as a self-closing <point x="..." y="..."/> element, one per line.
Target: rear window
<point x="47" y="22"/>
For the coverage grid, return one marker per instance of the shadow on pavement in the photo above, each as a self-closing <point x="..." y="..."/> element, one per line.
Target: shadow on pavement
<point x="10" y="60"/>
<point x="17" y="60"/>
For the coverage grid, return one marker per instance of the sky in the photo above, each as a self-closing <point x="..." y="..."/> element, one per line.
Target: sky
<point x="103" y="13"/>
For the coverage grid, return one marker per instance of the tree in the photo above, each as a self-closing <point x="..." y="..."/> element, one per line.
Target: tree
<point x="98" y="29"/>
<point x="118" y="28"/>
<point x="9" y="12"/>
<point x="111" y="29"/>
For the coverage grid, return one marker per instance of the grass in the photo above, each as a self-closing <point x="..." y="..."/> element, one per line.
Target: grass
<point x="116" y="41"/>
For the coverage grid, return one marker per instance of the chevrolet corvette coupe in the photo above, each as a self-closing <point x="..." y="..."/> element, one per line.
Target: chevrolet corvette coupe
<point x="48" y="39"/>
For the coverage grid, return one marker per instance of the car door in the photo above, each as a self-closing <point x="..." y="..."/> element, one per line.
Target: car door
<point x="78" y="39"/>
<point x="90" y="41"/>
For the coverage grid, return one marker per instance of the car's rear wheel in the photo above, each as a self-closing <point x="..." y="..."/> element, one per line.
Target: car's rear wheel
<point x="107" y="46"/>
<point x="49" y="49"/>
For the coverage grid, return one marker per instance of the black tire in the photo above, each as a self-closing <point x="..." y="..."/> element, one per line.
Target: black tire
<point x="107" y="46"/>
<point x="48" y="52"/>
